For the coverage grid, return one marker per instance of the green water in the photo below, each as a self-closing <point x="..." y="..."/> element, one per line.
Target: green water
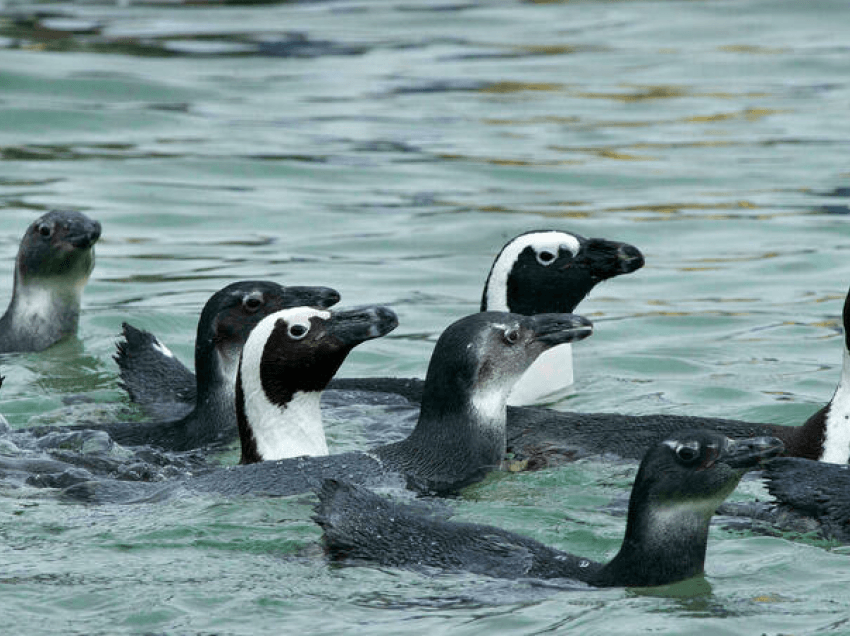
<point x="388" y="149"/>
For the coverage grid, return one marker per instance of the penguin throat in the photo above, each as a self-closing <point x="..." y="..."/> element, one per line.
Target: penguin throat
<point x="43" y="313"/>
<point x="836" y="442"/>
<point x="292" y="429"/>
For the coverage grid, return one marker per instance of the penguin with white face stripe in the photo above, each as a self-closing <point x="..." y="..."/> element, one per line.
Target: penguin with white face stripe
<point x="551" y="272"/>
<point x="287" y="361"/>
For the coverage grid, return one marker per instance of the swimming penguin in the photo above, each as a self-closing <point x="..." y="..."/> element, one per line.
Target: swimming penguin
<point x="225" y="322"/>
<point x="679" y="484"/>
<point x="544" y="435"/>
<point x="537" y="272"/>
<point x="459" y="437"/>
<point x="287" y="361"/>
<point x="54" y="261"/>
<point x="551" y="272"/>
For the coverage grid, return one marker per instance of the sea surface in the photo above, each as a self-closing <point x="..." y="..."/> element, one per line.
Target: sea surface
<point x="389" y="148"/>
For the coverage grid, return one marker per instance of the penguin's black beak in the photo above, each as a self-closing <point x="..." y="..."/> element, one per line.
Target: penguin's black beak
<point x="83" y="234"/>
<point x="354" y="326"/>
<point x="606" y="259"/>
<point x="554" y="329"/>
<point x="747" y="453"/>
<point x="322" y="297"/>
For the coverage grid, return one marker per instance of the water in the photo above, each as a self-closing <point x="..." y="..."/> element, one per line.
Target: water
<point x="388" y="149"/>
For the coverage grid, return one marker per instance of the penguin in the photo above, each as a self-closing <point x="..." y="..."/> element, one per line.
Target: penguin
<point x="549" y="271"/>
<point x="225" y="323"/>
<point x="544" y="271"/>
<point x="287" y="361"/>
<point x="681" y="481"/>
<point x="458" y="438"/>
<point x="53" y="265"/>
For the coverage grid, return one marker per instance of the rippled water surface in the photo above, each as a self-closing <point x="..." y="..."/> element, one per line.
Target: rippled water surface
<point x="388" y="149"/>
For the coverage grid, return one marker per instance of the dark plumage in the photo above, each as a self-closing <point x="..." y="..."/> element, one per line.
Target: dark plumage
<point x="54" y="262"/>
<point x="224" y="325"/>
<point x="543" y="434"/>
<point x="815" y="491"/>
<point x="680" y="482"/>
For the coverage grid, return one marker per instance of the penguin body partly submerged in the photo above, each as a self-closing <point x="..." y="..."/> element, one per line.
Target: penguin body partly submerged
<point x="551" y="272"/>
<point x="54" y="262"/>
<point x="286" y="363"/>
<point x="679" y="484"/>
<point x="225" y="323"/>
<point x="542" y="434"/>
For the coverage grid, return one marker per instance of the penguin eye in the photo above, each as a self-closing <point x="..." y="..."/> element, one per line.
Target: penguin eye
<point x="545" y="257"/>
<point x="298" y="331"/>
<point x="687" y="454"/>
<point x="252" y="303"/>
<point x="45" y="229"/>
<point x="511" y="335"/>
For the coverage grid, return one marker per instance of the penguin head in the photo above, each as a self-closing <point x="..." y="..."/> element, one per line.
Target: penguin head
<point x="488" y="351"/>
<point x="300" y="349"/>
<point x="232" y="312"/>
<point x="697" y="470"/>
<point x="552" y="271"/>
<point x="58" y="249"/>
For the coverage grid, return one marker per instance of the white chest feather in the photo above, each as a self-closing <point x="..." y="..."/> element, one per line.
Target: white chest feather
<point x="489" y="406"/>
<point x="670" y="524"/>
<point x="34" y="303"/>
<point x="836" y="443"/>
<point x="547" y="380"/>
<point x="290" y="431"/>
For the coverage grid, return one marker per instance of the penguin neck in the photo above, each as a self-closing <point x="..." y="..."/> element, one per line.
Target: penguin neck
<point x="460" y="435"/>
<point x="215" y="380"/>
<point x="42" y="312"/>
<point x="836" y="419"/>
<point x="664" y="543"/>
<point x="270" y="431"/>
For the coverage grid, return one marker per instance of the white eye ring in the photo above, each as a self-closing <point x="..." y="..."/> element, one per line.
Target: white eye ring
<point x="688" y="452"/>
<point x="546" y="257"/>
<point x="511" y="335"/>
<point x="298" y="331"/>
<point x="252" y="302"/>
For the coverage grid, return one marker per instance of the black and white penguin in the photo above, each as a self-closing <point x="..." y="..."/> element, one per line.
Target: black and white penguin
<point x="679" y="484"/>
<point x="551" y="272"/>
<point x="286" y="363"/>
<point x="459" y="437"/>
<point x="537" y="272"/>
<point x="54" y="262"/>
<point x="225" y="323"/>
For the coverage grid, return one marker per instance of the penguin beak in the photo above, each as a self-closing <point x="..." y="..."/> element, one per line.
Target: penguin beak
<point x="322" y="297"/>
<point x="83" y="235"/>
<point x="606" y="259"/>
<point x="354" y="326"/>
<point x="554" y="329"/>
<point x="747" y="453"/>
